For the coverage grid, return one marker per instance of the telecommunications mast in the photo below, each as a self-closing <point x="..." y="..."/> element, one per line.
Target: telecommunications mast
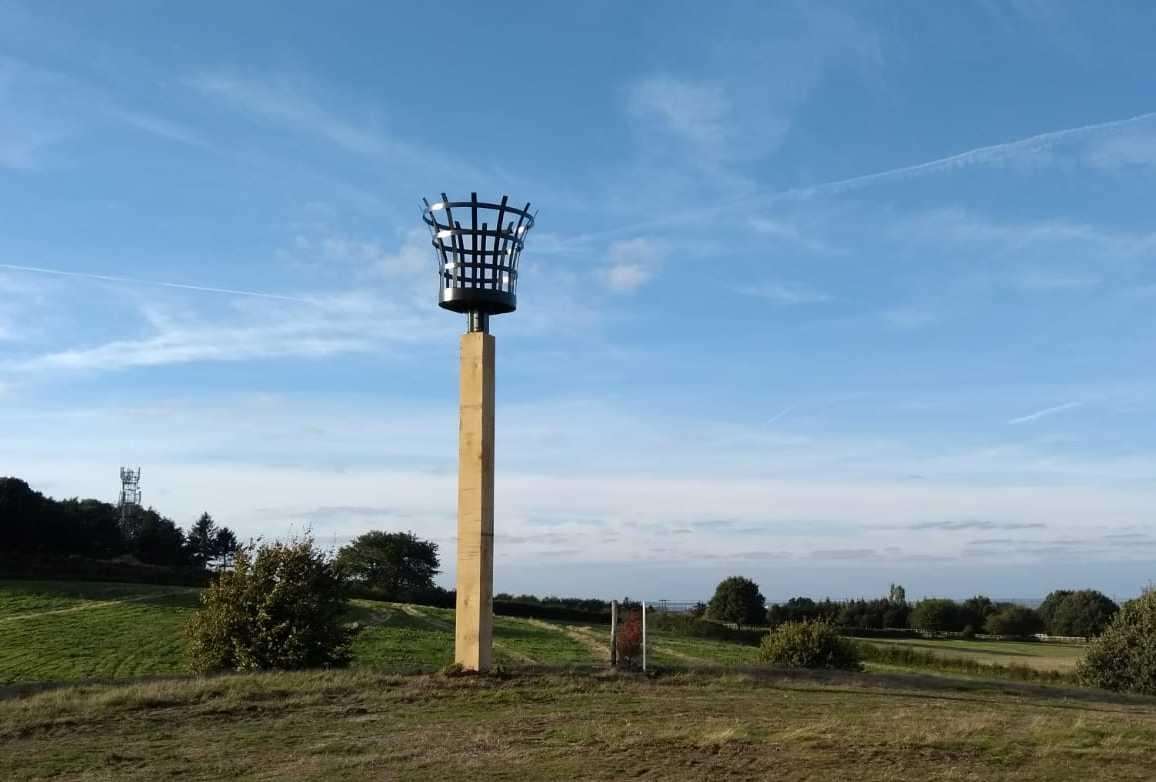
<point x="129" y="491"/>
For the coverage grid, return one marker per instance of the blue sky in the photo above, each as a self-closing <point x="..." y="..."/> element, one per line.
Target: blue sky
<point x="827" y="295"/>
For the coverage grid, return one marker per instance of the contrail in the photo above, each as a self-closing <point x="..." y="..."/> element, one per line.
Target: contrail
<point x="157" y="283"/>
<point x="992" y="153"/>
<point x="780" y="414"/>
<point x="1045" y="412"/>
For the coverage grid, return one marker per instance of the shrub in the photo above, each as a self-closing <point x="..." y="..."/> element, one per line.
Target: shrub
<point x="1124" y="657"/>
<point x="968" y="633"/>
<point x="809" y="645"/>
<point x="279" y="608"/>
<point x="628" y="641"/>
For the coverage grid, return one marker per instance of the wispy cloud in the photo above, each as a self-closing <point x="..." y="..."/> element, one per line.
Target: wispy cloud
<point x="909" y="317"/>
<point x="783" y="293"/>
<point x="696" y="113"/>
<point x="779" y="229"/>
<point x="285" y="101"/>
<point x="332" y="325"/>
<point x="1123" y="151"/>
<point x="974" y="524"/>
<point x="1047" y="411"/>
<point x="43" y="109"/>
<point x="161" y="127"/>
<point x="632" y="263"/>
<point x="990" y="155"/>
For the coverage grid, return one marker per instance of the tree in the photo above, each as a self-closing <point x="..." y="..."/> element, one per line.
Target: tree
<point x="936" y="615"/>
<point x="156" y="539"/>
<point x="1047" y="609"/>
<point x="975" y="610"/>
<point x="398" y="564"/>
<point x="1014" y="620"/>
<point x="279" y="608"/>
<point x="1084" y="613"/>
<point x="738" y="600"/>
<point x="202" y="540"/>
<point x="224" y="546"/>
<point x="1123" y="658"/>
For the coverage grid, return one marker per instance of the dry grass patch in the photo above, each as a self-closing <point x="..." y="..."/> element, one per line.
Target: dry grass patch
<point x="364" y="725"/>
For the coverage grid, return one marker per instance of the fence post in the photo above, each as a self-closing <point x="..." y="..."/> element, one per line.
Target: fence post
<point x="644" y="635"/>
<point x="613" y="633"/>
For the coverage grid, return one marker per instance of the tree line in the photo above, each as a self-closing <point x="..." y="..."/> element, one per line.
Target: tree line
<point x="1079" y="613"/>
<point x="41" y="531"/>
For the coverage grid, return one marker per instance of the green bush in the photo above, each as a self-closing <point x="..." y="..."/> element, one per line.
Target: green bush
<point x="1013" y="620"/>
<point x="1123" y="658"/>
<point x="695" y="627"/>
<point x="279" y="608"/>
<point x="809" y="645"/>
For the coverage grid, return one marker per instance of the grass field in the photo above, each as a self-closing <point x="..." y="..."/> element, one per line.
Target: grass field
<point x="61" y="631"/>
<point x="363" y="725"/>
<point x="1048" y="656"/>
<point x="556" y="714"/>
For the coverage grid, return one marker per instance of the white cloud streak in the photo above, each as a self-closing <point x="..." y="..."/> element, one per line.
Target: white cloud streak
<point x="1047" y="411"/>
<point x="782" y="293"/>
<point x="992" y="154"/>
<point x="156" y="283"/>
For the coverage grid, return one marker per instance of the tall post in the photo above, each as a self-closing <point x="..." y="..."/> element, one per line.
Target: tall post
<point x="478" y="244"/>
<point x="613" y="633"/>
<point x="644" y="635"/>
<point x="473" y="638"/>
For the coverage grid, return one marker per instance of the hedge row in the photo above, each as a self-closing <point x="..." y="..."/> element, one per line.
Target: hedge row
<point x="76" y="568"/>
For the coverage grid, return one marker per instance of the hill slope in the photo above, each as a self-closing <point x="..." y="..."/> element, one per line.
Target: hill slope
<point x="362" y="725"/>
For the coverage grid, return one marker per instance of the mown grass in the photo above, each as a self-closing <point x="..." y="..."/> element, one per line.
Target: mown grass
<point x="51" y="631"/>
<point x="61" y="631"/>
<point x="910" y="658"/>
<point x="1049" y="656"/>
<point x="356" y="725"/>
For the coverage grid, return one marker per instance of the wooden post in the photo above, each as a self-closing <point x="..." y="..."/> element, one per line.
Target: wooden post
<point x="613" y="633"/>
<point x="644" y="635"/>
<point x="474" y="621"/>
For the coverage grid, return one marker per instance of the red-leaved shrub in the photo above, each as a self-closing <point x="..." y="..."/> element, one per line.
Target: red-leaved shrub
<point x="629" y="640"/>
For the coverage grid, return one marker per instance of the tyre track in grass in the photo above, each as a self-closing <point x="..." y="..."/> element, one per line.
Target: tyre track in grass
<point x="582" y="635"/>
<point x="91" y="606"/>
<point x="438" y="624"/>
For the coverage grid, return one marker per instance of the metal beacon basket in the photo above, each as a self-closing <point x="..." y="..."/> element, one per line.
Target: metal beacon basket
<point x="478" y="261"/>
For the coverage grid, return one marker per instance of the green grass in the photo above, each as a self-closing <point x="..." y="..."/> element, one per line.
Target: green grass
<point x="1060" y="657"/>
<point x="365" y="725"/>
<point x="59" y="631"/>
